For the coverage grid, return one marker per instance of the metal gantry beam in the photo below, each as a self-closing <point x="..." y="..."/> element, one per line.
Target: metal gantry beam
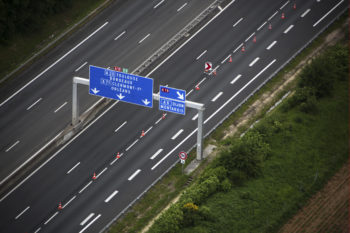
<point x="189" y="104"/>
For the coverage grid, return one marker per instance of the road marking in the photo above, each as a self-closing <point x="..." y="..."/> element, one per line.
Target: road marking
<point x="65" y="55"/>
<point x="288" y="29"/>
<point x="34" y="103"/>
<point x="189" y="92"/>
<point x="47" y="221"/>
<point x="120" y="35"/>
<point x="177" y="134"/>
<point x="237" y="93"/>
<point x="315" y="24"/>
<point x="37" y="230"/>
<point x="99" y="174"/>
<point x="133" y="175"/>
<point x="235" y="79"/>
<point x="239" y="46"/>
<point x="81" y="66"/>
<point x="13" y="145"/>
<point x="262" y="25"/>
<point x="158" y="4"/>
<point x="156" y="154"/>
<point x="215" y="69"/>
<point x="111" y="196"/>
<point x="181" y="7"/>
<point x="76" y="165"/>
<point x="223" y="61"/>
<point x="60" y="107"/>
<point x="250" y="36"/>
<point x="284" y="5"/>
<point x="305" y="13"/>
<point x="272" y="15"/>
<point x="85" y="187"/>
<point x="254" y="61"/>
<point x="120" y="126"/>
<point x="97" y="217"/>
<point x="217" y="96"/>
<point x="200" y="82"/>
<point x="115" y="159"/>
<point x="65" y="205"/>
<point x="132" y="145"/>
<point x="148" y="130"/>
<point x="86" y="219"/>
<point x="144" y="38"/>
<point x="234" y="25"/>
<point x="159" y="120"/>
<point x="220" y="8"/>
<point x="201" y="54"/>
<point x="19" y="215"/>
<point x="271" y="45"/>
<point x="195" y="117"/>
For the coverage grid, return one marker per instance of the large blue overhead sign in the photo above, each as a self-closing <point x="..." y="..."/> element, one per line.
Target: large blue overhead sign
<point x="172" y="100"/>
<point x="121" y="86"/>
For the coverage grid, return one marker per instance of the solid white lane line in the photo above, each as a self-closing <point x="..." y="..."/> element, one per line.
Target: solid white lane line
<point x="115" y="159"/>
<point x="271" y="45"/>
<point x="19" y="215"/>
<point x="120" y="126"/>
<point x="237" y="93"/>
<point x="81" y="66"/>
<point x="158" y="120"/>
<point x="262" y="25"/>
<point x="158" y="4"/>
<point x="85" y="187"/>
<point x="34" y="103"/>
<point x="65" y="55"/>
<point x="13" y="145"/>
<point x="234" y="25"/>
<point x="284" y="5"/>
<point x="288" y="29"/>
<point x="195" y="117"/>
<point x="111" y="196"/>
<point x="235" y="79"/>
<point x="201" y="54"/>
<point x="156" y="154"/>
<point x="239" y="46"/>
<point x="177" y="134"/>
<point x="148" y="130"/>
<point x="132" y="145"/>
<point x="37" y="230"/>
<point x="220" y="8"/>
<point x="273" y="15"/>
<point x="99" y="174"/>
<point x="76" y="165"/>
<point x="181" y="7"/>
<point x="135" y="174"/>
<point x="318" y="21"/>
<point x="201" y="82"/>
<point x="254" y="61"/>
<point x="217" y="96"/>
<point x="87" y="219"/>
<point x="144" y="38"/>
<point x="189" y="92"/>
<point x="250" y="36"/>
<point x="305" y="13"/>
<point x="223" y="61"/>
<point x="47" y="221"/>
<point x="59" y="108"/>
<point x="65" y="205"/>
<point x="90" y="223"/>
<point x="120" y="35"/>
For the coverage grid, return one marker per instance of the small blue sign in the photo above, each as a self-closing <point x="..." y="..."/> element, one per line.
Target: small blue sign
<point x="121" y="86"/>
<point x="172" y="93"/>
<point x="172" y="100"/>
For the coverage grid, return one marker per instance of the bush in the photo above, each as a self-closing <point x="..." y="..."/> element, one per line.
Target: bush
<point x="169" y="221"/>
<point x="225" y="185"/>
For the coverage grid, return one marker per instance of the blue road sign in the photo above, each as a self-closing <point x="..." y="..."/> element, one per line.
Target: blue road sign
<point x="120" y="86"/>
<point x="172" y="100"/>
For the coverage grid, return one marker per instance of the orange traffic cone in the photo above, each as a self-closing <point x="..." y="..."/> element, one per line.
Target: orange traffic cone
<point x="60" y="206"/>
<point x="94" y="176"/>
<point x="295" y="6"/>
<point x="118" y="155"/>
<point x="254" y="39"/>
<point x="282" y="17"/>
<point x="197" y="88"/>
<point x="230" y="59"/>
<point x="243" y="48"/>
<point x="214" y="72"/>
<point x="142" y="133"/>
<point x="270" y="26"/>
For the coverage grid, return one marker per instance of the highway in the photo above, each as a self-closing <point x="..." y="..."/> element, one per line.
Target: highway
<point x="89" y="205"/>
<point x="36" y="105"/>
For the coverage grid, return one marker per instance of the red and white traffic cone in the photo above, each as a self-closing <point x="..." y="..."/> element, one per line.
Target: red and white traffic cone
<point x="118" y="155"/>
<point x="197" y="88"/>
<point x="230" y="59"/>
<point x="270" y="26"/>
<point x="243" y="48"/>
<point x="254" y="39"/>
<point x="94" y="176"/>
<point x="214" y="72"/>
<point x="295" y="6"/>
<point x="60" y="206"/>
<point x="282" y="16"/>
<point x="163" y="117"/>
<point x="142" y="133"/>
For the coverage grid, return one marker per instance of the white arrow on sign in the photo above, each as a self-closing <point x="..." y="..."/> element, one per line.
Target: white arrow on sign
<point x="180" y="95"/>
<point x="95" y="91"/>
<point x="146" y="102"/>
<point x="208" y="66"/>
<point x="120" y="96"/>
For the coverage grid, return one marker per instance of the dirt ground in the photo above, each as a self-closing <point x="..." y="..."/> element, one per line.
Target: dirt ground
<point x="327" y="211"/>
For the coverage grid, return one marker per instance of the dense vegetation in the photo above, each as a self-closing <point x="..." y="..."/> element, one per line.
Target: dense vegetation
<point x="26" y="16"/>
<point x="260" y="180"/>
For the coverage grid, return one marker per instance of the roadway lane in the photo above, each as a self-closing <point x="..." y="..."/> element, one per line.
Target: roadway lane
<point x="117" y="37"/>
<point x="95" y="151"/>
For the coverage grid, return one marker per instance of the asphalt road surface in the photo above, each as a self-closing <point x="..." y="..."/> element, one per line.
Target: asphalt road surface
<point x="90" y="205"/>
